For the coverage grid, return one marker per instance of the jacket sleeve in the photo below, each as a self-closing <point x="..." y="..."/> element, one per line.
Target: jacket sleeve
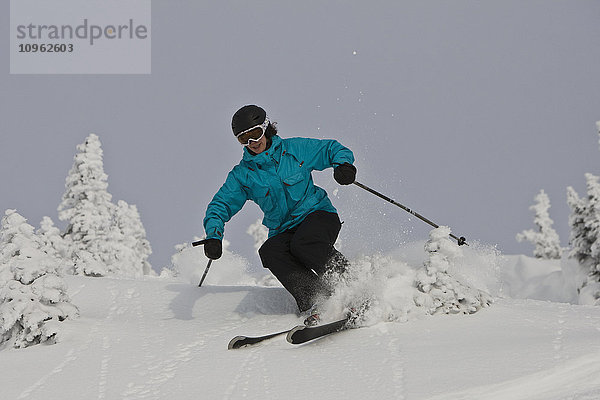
<point x="326" y="153"/>
<point x="230" y="199"/>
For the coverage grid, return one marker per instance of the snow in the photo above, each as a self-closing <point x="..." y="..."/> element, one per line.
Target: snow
<point x="164" y="337"/>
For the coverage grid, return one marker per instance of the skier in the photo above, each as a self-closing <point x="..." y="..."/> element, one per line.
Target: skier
<point x="303" y="225"/>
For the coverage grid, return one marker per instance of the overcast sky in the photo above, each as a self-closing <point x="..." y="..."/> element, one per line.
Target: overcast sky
<point x="461" y="110"/>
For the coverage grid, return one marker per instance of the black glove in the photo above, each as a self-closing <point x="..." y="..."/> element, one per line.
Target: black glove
<point x="213" y="249"/>
<point x="344" y="173"/>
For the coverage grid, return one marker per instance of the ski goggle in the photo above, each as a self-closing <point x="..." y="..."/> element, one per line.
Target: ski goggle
<point x="253" y="134"/>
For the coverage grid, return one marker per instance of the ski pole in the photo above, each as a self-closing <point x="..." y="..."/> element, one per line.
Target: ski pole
<point x="205" y="272"/>
<point x="461" y="240"/>
<point x="198" y="243"/>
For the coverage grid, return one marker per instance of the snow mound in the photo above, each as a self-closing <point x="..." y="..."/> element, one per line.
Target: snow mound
<point x="189" y="264"/>
<point x="392" y="290"/>
<point x="441" y="291"/>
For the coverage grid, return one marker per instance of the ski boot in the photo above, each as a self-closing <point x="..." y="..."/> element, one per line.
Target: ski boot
<point x="356" y="315"/>
<point x="314" y="317"/>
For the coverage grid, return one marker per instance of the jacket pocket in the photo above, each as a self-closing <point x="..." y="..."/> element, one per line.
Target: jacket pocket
<point x="262" y="196"/>
<point x="296" y="185"/>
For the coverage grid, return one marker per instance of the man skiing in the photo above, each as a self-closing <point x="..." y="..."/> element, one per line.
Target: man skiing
<point x="303" y="225"/>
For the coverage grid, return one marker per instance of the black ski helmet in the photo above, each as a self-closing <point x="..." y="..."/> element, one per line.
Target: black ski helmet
<point x="246" y="118"/>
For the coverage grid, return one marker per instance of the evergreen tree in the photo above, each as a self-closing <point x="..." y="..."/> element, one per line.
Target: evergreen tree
<point x="545" y="239"/>
<point x="440" y="291"/>
<point x="585" y="231"/>
<point x="590" y="291"/>
<point x="55" y="245"/>
<point x="131" y="248"/>
<point x="33" y="296"/>
<point x="102" y="238"/>
<point x="579" y="241"/>
<point x="592" y="220"/>
<point x="86" y="206"/>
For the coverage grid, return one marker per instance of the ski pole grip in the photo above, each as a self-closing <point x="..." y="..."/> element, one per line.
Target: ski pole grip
<point x="199" y="242"/>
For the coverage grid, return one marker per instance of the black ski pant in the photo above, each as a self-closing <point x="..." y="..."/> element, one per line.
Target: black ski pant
<point x="300" y="257"/>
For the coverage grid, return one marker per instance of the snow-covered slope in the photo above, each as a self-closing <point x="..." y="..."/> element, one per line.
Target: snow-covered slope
<point x="162" y="338"/>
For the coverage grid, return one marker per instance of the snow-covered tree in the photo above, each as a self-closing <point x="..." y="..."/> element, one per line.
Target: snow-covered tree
<point x="33" y="296"/>
<point x="131" y="248"/>
<point x="585" y="232"/>
<point x="545" y="239"/>
<point x="86" y="206"/>
<point x="579" y="239"/>
<point x="55" y="245"/>
<point x="438" y="290"/>
<point x="104" y="238"/>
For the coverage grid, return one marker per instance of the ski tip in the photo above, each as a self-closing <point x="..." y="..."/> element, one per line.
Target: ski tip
<point x="235" y="343"/>
<point x="290" y="335"/>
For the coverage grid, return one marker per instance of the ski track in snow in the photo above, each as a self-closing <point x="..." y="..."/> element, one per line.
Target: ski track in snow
<point x="371" y="380"/>
<point x="558" y="339"/>
<point x="39" y="385"/>
<point x="396" y="366"/>
<point x="154" y="372"/>
<point x="576" y="379"/>
<point x="132" y="345"/>
<point x="162" y="371"/>
<point x="122" y="302"/>
<point x="253" y="369"/>
<point x="385" y="373"/>
<point x="106" y="341"/>
<point x="71" y="356"/>
<point x="569" y="378"/>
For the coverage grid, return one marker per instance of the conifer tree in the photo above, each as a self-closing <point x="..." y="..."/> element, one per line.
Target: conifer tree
<point x="590" y="291"/>
<point x="440" y="292"/>
<point x="592" y="221"/>
<point x="579" y="241"/>
<point x="131" y="248"/>
<point x="33" y="296"/>
<point x="86" y="206"/>
<point x="545" y="239"/>
<point x="55" y="245"/>
<point x="585" y="232"/>
<point x="103" y="238"/>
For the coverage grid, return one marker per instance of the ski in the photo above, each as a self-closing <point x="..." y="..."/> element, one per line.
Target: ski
<point x="243" y="341"/>
<point x="302" y="334"/>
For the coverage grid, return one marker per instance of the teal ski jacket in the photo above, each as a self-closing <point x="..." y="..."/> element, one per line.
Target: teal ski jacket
<point x="279" y="180"/>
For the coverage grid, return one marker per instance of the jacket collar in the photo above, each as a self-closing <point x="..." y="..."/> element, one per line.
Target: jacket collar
<point x="276" y="144"/>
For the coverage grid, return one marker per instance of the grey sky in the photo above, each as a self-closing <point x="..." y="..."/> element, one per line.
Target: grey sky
<point x="460" y="110"/>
